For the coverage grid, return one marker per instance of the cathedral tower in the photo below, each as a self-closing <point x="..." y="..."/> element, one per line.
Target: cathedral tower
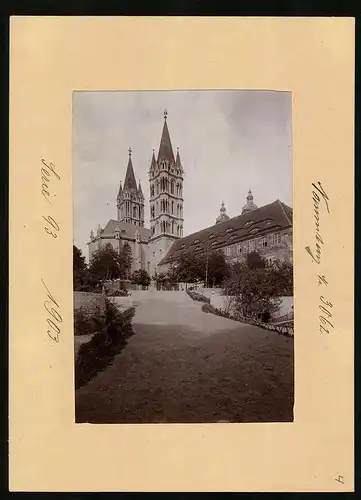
<point x="166" y="198"/>
<point x="130" y="199"/>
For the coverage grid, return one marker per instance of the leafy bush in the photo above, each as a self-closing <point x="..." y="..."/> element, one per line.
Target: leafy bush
<point x="96" y="355"/>
<point x="141" y="277"/>
<point x="117" y="293"/>
<point x="255" y="290"/>
<point x="198" y="296"/>
<point x="84" y="326"/>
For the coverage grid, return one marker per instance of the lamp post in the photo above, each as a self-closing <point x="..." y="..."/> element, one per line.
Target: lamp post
<point x="207" y="255"/>
<point x="117" y="237"/>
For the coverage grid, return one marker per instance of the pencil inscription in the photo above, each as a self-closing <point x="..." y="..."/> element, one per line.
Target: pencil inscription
<point x="54" y="318"/>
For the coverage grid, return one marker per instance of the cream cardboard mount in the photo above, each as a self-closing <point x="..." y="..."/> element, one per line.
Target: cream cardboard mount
<point x="50" y="57"/>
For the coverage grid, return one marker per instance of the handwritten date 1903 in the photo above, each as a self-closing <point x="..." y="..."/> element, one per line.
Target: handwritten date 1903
<point x="54" y="318"/>
<point x="325" y="307"/>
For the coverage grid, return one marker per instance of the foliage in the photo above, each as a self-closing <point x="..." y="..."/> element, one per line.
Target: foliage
<point x="218" y="269"/>
<point x="96" y="355"/>
<point x="165" y="281"/>
<point x="255" y="261"/>
<point x="255" y="291"/>
<point x="117" y="293"/>
<point x="284" y="275"/>
<point x="141" y="277"/>
<point x="188" y="268"/>
<point x="83" y="279"/>
<point x="198" y="296"/>
<point x="108" y="264"/>
<point x="192" y="268"/>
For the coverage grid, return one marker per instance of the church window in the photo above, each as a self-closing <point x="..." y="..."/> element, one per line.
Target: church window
<point x="251" y="245"/>
<point x="239" y="248"/>
<point x="172" y="186"/>
<point x="157" y="184"/>
<point x="228" y="251"/>
<point x="172" y="207"/>
<point x="276" y="238"/>
<point x="263" y="242"/>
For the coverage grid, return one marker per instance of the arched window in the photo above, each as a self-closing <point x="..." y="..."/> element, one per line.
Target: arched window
<point x="157" y="209"/>
<point x="172" y="186"/>
<point x="172" y="207"/>
<point x="135" y="212"/>
<point x="172" y="226"/>
<point x="157" y="184"/>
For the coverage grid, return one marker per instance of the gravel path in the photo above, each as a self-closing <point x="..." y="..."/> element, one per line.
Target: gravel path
<point x="184" y="365"/>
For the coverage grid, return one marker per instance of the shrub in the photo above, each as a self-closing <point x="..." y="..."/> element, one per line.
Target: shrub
<point x="96" y="355"/>
<point x="117" y="293"/>
<point x="207" y="308"/>
<point x="84" y="326"/>
<point x="198" y="296"/>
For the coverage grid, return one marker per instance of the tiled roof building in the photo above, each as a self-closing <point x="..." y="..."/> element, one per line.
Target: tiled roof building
<point x="267" y="229"/>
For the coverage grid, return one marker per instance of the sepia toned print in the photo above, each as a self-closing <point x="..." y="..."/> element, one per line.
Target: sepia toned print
<point x="172" y="324"/>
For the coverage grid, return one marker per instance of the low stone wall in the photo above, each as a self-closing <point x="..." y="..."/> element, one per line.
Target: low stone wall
<point x="119" y="285"/>
<point x="90" y="304"/>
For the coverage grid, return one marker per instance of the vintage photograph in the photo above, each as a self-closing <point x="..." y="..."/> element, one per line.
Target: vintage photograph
<point x="183" y="256"/>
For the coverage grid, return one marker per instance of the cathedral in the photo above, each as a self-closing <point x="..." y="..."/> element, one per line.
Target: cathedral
<point x="267" y="229"/>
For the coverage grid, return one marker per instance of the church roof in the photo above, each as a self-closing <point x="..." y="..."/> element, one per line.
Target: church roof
<point x="271" y="217"/>
<point x="127" y="230"/>
<point x="130" y="182"/>
<point x="165" y="147"/>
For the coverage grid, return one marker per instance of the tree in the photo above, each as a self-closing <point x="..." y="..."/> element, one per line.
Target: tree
<point x="255" y="291"/>
<point x="255" y="261"/>
<point x="83" y="280"/>
<point x="108" y="264"/>
<point x="284" y="274"/>
<point x="189" y="268"/>
<point x="218" y="269"/>
<point x="79" y="269"/>
<point x="125" y="259"/>
<point x="141" y="277"/>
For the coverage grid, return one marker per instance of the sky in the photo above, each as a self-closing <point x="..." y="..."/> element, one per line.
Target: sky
<point x="229" y="141"/>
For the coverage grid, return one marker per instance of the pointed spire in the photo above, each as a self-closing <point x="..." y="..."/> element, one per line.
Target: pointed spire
<point x="120" y="192"/>
<point x="165" y="147"/>
<point x="178" y="161"/>
<point x="153" y="164"/>
<point x="140" y="192"/>
<point x="130" y="182"/>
